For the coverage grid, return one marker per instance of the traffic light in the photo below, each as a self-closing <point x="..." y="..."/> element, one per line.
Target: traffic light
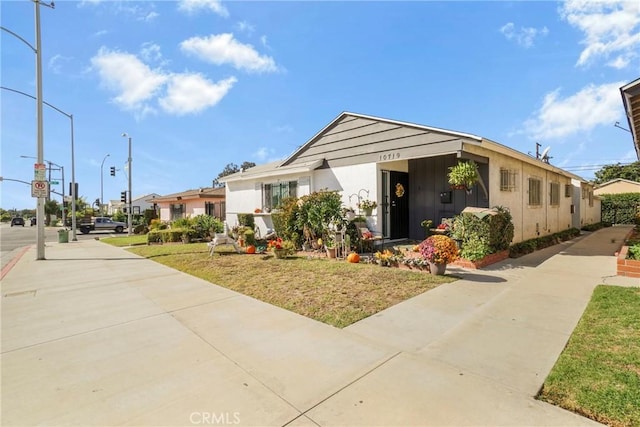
<point x="113" y="171"/>
<point x="123" y="197"/>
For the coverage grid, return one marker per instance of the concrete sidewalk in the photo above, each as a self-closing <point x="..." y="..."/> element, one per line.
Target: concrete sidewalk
<point x="97" y="336"/>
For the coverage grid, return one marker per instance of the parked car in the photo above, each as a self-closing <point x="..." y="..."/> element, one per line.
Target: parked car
<point x="17" y="221"/>
<point x="102" y="224"/>
<point x="32" y="221"/>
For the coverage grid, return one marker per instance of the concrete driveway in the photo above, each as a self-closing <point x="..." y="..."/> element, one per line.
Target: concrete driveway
<point x="95" y="335"/>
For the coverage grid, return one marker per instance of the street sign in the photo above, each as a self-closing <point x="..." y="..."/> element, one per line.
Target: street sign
<point x="39" y="188"/>
<point x="54" y="182"/>
<point x="39" y="172"/>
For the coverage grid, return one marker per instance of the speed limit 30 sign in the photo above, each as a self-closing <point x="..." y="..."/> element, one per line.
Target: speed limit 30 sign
<point x="39" y="188"/>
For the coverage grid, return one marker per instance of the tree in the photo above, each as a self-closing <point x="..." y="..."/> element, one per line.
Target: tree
<point x="51" y="207"/>
<point x="610" y="172"/>
<point x="229" y="169"/>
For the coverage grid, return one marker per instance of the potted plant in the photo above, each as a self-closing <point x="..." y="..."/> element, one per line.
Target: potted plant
<point x="427" y="224"/>
<point x="281" y="248"/>
<point x="463" y="175"/>
<point x="438" y="250"/>
<point x="329" y="244"/>
<point x="367" y="206"/>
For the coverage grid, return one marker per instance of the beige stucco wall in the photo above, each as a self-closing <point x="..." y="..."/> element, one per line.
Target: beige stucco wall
<point x="618" y="188"/>
<point x="529" y="221"/>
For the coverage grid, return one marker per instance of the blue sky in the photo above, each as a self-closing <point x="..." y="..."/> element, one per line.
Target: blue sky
<point x="199" y="84"/>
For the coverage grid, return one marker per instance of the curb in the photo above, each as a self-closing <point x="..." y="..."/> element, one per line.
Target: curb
<point x="7" y="268"/>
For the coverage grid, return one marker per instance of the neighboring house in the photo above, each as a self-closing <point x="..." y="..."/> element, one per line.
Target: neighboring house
<point x="138" y="205"/>
<point x="210" y="201"/>
<point x="617" y="186"/>
<point x="631" y="101"/>
<point x="403" y="167"/>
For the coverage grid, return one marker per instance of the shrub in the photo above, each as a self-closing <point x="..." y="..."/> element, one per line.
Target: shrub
<point x="527" y="246"/>
<point x="620" y="208"/>
<point x="596" y="226"/>
<point x="249" y="237"/>
<point x="154" y="236"/>
<point x="634" y="252"/>
<point x="140" y="229"/>
<point x="481" y="235"/>
<point x="206" y="226"/>
<point x="149" y="215"/>
<point x="247" y="220"/>
<point x="166" y="236"/>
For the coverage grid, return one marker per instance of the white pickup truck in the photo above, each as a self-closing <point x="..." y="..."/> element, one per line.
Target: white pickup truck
<point x="102" y="224"/>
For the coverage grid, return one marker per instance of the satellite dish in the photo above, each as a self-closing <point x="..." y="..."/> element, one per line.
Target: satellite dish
<point x="545" y="155"/>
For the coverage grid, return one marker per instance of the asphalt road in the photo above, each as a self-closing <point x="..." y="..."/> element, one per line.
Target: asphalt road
<point x="13" y="239"/>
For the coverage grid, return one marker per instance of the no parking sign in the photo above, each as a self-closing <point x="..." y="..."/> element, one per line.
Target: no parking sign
<point x="39" y="188"/>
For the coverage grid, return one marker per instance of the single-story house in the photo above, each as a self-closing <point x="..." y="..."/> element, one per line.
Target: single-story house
<point x="138" y="204"/>
<point x="631" y="101"/>
<point x="403" y="168"/>
<point x="617" y="186"/>
<point x="209" y="201"/>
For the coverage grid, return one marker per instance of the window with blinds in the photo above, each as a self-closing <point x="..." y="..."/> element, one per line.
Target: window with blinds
<point x="535" y="192"/>
<point x="507" y="180"/>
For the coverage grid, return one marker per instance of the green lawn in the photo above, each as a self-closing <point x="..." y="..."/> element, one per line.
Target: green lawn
<point x="334" y="292"/>
<point x="126" y="240"/>
<point x="598" y="373"/>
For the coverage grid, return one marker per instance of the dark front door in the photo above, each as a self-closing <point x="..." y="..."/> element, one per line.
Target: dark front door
<point x="399" y="205"/>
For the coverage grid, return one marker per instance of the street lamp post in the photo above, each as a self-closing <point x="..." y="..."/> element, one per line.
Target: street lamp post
<point x="101" y="185"/>
<point x="72" y="193"/>
<point x="37" y="49"/>
<point x="130" y="213"/>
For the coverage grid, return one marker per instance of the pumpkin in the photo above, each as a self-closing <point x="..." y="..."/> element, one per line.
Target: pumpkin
<point x="251" y="249"/>
<point x="353" y="257"/>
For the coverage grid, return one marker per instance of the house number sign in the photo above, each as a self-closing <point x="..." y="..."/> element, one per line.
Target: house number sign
<point x="389" y="156"/>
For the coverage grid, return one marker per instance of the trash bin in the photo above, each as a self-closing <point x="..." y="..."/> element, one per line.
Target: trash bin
<point x="63" y="236"/>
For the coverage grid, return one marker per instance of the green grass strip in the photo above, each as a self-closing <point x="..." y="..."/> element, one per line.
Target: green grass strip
<point x="598" y="373"/>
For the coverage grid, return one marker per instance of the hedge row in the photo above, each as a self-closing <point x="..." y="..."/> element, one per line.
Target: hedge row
<point x="527" y="246"/>
<point x="621" y="208"/>
<point x="166" y="236"/>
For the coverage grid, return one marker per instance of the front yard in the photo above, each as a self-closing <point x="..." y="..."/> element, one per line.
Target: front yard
<point x="334" y="292"/>
<point x="598" y="373"/>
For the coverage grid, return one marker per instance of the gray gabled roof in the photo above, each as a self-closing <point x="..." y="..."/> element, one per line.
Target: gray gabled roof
<point x="379" y="119"/>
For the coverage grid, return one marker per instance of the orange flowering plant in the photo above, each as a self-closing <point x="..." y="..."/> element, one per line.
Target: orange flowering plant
<point x="283" y="247"/>
<point x="439" y="249"/>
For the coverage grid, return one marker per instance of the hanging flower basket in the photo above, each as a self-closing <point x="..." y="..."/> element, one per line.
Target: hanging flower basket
<point x="464" y="175"/>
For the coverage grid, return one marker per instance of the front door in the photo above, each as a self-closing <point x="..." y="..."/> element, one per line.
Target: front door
<point x="398" y="190"/>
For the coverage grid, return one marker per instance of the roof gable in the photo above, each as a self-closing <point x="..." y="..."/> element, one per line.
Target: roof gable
<point x="351" y="134"/>
<point x="200" y="193"/>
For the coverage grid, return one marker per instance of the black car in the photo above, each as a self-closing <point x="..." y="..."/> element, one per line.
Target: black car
<point x="17" y="221"/>
<point x="33" y="221"/>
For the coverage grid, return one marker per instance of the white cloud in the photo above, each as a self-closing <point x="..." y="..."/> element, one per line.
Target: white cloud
<point x="100" y="33"/>
<point x="245" y="27"/>
<point x="263" y="40"/>
<point x="192" y="93"/>
<point x="150" y="16"/>
<point x="56" y="62"/>
<point x="224" y="49"/>
<point x="150" y="52"/>
<point x="611" y="29"/>
<point x="134" y="81"/>
<point x="138" y="87"/>
<point x="261" y="154"/>
<point x="193" y="6"/>
<point x="525" y="36"/>
<point x="590" y="107"/>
